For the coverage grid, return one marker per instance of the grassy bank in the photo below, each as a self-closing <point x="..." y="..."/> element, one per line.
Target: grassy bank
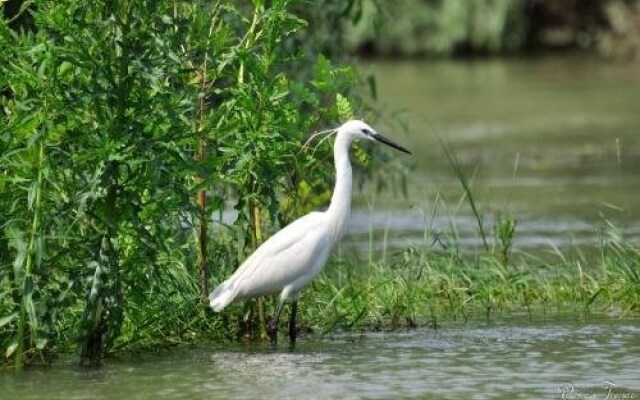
<point x="408" y="288"/>
<point x="414" y="287"/>
<point x="417" y="287"/>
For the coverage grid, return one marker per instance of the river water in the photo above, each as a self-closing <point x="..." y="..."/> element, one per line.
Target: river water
<point x="499" y="360"/>
<point x="552" y="141"/>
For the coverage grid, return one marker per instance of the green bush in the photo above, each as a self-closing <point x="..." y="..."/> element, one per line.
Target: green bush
<point x="115" y="116"/>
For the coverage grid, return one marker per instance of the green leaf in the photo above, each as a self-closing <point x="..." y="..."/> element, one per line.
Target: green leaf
<point x="7" y="319"/>
<point x="64" y="67"/>
<point x="322" y="78"/>
<point x="16" y="241"/>
<point x="27" y="298"/>
<point x="42" y="69"/>
<point x="278" y="96"/>
<point x="345" y="112"/>
<point x="11" y="348"/>
<point x="31" y="195"/>
<point x="594" y="297"/>
<point x="40" y="243"/>
<point x="41" y="343"/>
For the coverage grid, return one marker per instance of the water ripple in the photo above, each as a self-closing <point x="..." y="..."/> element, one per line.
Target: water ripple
<point x="477" y="361"/>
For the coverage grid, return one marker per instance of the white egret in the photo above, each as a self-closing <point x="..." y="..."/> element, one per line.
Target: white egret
<point x="292" y="257"/>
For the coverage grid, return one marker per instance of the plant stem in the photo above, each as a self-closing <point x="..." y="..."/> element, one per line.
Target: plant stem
<point x="202" y="194"/>
<point x="249" y="41"/>
<point x="256" y="233"/>
<point x="27" y="282"/>
<point x="457" y="169"/>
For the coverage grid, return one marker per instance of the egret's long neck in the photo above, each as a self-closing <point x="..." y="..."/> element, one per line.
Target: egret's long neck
<point x="340" y="207"/>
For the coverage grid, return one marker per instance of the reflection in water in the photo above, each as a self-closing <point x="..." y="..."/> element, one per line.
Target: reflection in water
<point x="481" y="361"/>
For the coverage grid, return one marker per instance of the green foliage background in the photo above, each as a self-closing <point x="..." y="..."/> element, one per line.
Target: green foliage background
<point x="436" y="28"/>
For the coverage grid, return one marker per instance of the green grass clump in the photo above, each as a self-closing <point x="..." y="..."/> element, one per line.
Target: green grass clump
<point x="419" y="286"/>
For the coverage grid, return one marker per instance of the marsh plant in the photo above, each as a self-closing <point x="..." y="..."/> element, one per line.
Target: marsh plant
<point x="125" y="125"/>
<point x="428" y="285"/>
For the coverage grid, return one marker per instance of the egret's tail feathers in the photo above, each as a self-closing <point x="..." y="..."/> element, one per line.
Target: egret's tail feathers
<point x="222" y="296"/>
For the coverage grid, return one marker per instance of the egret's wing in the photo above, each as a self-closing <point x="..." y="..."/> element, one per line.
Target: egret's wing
<point x="282" y="239"/>
<point x="285" y="257"/>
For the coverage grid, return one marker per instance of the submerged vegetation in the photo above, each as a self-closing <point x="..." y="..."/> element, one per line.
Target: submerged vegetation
<point x="127" y="124"/>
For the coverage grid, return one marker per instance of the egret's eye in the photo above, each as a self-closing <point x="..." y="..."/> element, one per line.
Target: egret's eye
<point x="367" y="132"/>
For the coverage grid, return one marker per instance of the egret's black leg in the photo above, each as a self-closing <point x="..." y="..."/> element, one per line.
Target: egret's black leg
<point x="272" y="328"/>
<point x="292" y="321"/>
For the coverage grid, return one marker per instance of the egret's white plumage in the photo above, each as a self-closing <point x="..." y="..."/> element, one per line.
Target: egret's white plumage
<point x="285" y="262"/>
<point x="292" y="257"/>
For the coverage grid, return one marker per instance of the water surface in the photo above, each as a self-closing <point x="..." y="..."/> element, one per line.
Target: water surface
<point x="554" y="141"/>
<point x="497" y="360"/>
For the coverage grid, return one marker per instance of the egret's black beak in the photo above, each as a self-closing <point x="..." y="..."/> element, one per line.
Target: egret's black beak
<point x="383" y="139"/>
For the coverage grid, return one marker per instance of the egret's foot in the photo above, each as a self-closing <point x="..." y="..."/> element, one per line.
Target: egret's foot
<point x="272" y="330"/>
